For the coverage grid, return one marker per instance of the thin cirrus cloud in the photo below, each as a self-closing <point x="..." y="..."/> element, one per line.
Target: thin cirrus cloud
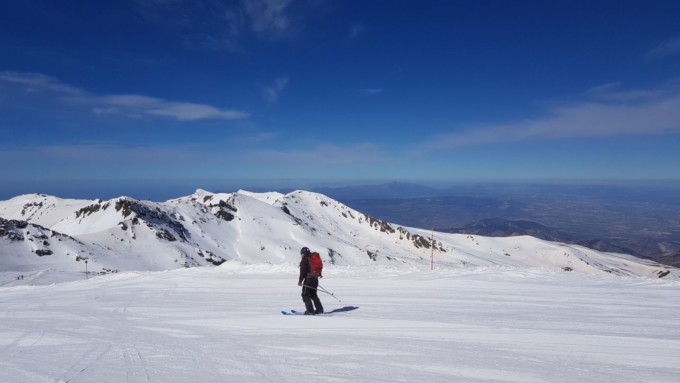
<point x="373" y="90"/>
<point x="217" y="25"/>
<point x="670" y="47"/>
<point x="268" y="18"/>
<point x="130" y="105"/>
<point x="613" y="92"/>
<point x="140" y="106"/>
<point x="35" y="82"/>
<point x="609" y="112"/>
<point x="272" y="92"/>
<point x="355" y="30"/>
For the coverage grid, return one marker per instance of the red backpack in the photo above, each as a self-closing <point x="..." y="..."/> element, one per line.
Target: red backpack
<point x="315" y="265"/>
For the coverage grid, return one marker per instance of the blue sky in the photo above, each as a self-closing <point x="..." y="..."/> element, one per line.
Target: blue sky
<point x="161" y="97"/>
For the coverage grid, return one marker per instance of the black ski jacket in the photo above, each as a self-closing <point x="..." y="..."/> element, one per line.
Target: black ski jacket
<point x="304" y="268"/>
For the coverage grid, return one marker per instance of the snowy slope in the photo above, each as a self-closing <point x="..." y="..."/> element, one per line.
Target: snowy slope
<point x="465" y="325"/>
<point x="28" y="248"/>
<point x="208" y="229"/>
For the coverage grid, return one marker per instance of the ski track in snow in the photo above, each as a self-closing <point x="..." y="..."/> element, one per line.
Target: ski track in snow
<point x="224" y="324"/>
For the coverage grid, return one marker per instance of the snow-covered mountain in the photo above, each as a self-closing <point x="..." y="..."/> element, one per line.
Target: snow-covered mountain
<point x="40" y="231"/>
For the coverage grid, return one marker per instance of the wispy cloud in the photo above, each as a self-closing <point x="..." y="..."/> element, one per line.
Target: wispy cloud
<point x="130" y="105"/>
<point x="355" y="30"/>
<point x="222" y="25"/>
<point x="135" y="105"/>
<point x="268" y="18"/>
<point x="612" y="112"/>
<point x="36" y="82"/>
<point x="670" y="47"/>
<point x="273" y="91"/>
<point x="615" y="92"/>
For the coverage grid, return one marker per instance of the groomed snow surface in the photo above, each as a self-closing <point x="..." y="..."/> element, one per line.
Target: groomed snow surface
<point x="223" y="324"/>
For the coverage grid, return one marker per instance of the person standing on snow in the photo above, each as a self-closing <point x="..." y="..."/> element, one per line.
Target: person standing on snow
<point x="309" y="280"/>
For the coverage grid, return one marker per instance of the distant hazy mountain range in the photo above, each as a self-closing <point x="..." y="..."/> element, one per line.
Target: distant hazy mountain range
<point x="639" y="219"/>
<point x="41" y="231"/>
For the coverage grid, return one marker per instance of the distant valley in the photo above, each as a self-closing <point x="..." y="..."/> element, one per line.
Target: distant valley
<point x="638" y="219"/>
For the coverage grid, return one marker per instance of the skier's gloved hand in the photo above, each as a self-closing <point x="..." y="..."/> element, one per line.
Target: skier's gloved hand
<point x="299" y="283"/>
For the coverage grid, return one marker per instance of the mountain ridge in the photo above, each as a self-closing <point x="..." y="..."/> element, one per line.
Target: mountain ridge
<point x="205" y="229"/>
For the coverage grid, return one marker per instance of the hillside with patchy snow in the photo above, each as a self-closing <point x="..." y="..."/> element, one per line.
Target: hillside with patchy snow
<point x="39" y="232"/>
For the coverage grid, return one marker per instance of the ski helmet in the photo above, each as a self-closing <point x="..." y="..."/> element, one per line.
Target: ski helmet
<point x="305" y="250"/>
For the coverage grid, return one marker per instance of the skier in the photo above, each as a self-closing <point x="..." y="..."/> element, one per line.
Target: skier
<point x="309" y="280"/>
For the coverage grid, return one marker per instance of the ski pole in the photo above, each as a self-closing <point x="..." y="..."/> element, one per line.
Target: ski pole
<point x="329" y="293"/>
<point x="323" y="291"/>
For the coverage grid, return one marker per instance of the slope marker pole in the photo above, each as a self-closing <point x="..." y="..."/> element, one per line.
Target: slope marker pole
<point x="432" y="256"/>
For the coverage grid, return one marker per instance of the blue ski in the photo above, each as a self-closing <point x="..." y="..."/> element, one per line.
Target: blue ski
<point x="292" y="312"/>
